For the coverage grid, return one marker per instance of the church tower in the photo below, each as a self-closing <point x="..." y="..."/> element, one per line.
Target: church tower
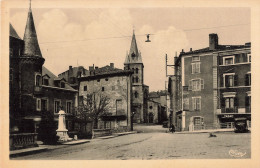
<point x="134" y="62"/>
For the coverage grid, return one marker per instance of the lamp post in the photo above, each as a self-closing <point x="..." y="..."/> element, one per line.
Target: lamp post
<point x="132" y="117"/>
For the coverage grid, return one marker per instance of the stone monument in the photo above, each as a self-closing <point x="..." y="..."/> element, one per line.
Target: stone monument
<point x="62" y="132"/>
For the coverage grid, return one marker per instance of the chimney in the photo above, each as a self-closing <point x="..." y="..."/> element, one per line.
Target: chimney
<point x="190" y="49"/>
<point x="213" y="41"/>
<point x="91" y="68"/>
<point x="70" y="68"/>
<point x="112" y="65"/>
<point x="248" y="44"/>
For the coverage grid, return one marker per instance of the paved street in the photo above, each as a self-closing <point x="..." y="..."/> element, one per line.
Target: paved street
<point x="152" y="142"/>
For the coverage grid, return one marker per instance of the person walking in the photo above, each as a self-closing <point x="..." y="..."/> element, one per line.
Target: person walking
<point x="172" y="128"/>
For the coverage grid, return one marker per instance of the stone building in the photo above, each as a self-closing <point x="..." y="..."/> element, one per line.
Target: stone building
<point x="33" y="88"/>
<point x="114" y="84"/>
<point x="72" y="74"/>
<point x="161" y="98"/>
<point x="205" y="90"/>
<point x="133" y="61"/>
<point x="154" y="111"/>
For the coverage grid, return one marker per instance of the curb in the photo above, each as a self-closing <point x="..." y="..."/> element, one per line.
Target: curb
<point x="76" y="142"/>
<point x="27" y="151"/>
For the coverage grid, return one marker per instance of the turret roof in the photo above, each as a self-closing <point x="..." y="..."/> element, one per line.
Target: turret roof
<point x="31" y="45"/>
<point x="13" y="33"/>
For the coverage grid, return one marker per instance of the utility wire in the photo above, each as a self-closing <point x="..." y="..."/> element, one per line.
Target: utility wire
<point x="124" y="36"/>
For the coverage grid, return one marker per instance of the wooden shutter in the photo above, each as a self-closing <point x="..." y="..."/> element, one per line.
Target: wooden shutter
<point x="221" y="81"/>
<point x="226" y="81"/>
<point x="246" y="101"/>
<point x="190" y="85"/>
<point x="235" y="80"/>
<point x="222" y="101"/>
<point x="236" y="103"/>
<point x="202" y="83"/>
<point x="246" y="80"/>
<point x="192" y="68"/>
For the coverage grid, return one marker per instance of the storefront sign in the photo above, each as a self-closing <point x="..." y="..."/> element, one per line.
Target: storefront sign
<point x="228" y="116"/>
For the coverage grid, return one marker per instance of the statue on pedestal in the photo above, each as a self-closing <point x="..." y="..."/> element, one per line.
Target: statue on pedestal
<point x="62" y="132"/>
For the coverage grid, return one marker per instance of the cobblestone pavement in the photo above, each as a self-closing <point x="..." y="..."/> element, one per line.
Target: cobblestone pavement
<point x="155" y="145"/>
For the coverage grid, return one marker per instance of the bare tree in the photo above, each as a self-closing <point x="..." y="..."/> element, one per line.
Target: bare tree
<point x="92" y="107"/>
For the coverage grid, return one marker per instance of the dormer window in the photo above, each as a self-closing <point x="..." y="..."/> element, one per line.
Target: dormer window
<point x="46" y="82"/>
<point x="62" y="84"/>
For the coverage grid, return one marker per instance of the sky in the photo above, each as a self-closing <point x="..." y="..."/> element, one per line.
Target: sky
<point x="100" y="36"/>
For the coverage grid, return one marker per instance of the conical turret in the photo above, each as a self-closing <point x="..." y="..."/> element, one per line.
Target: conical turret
<point x="31" y="45"/>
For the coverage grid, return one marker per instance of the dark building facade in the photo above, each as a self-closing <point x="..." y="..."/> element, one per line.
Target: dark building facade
<point x="211" y="86"/>
<point x="33" y="88"/>
<point x="134" y="62"/>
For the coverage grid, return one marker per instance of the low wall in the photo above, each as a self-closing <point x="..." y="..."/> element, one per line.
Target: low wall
<point x="22" y="140"/>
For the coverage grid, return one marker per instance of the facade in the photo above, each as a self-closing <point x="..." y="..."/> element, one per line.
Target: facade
<point x="160" y="97"/>
<point x="205" y="90"/>
<point x="134" y="62"/>
<point x="72" y="74"/>
<point x="114" y="84"/>
<point x="33" y="88"/>
<point x="154" y="110"/>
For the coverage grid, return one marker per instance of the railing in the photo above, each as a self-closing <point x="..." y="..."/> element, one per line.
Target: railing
<point x="22" y="140"/>
<point x="226" y="125"/>
<point x="229" y="110"/>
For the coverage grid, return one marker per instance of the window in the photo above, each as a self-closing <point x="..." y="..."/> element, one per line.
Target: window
<point x="195" y="67"/>
<point x="136" y="70"/>
<point x="62" y="85"/>
<point x="196" y="103"/>
<point x="248" y="79"/>
<point x="38" y="104"/>
<point x="68" y="106"/>
<point x="229" y="102"/>
<point x="85" y="88"/>
<point x="228" y="60"/>
<point x="196" y="84"/>
<point x="136" y="94"/>
<point x="46" y="82"/>
<point x="133" y="54"/>
<point x="119" y="106"/>
<point x="137" y="79"/>
<point x="103" y="89"/>
<point x="44" y="104"/>
<point x="195" y="58"/>
<point x="197" y="121"/>
<point x="37" y="80"/>
<point x="249" y="57"/>
<point x="230" y="80"/>
<point x="133" y="79"/>
<point x="186" y="103"/>
<point x="57" y="106"/>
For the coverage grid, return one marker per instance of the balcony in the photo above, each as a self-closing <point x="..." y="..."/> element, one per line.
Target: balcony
<point x="229" y="110"/>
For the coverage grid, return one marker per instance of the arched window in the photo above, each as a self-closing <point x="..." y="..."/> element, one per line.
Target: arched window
<point x="136" y="70"/>
<point x="37" y="80"/>
<point x="137" y="79"/>
<point x="133" y="54"/>
<point x="136" y="94"/>
<point x="62" y="85"/>
<point x="133" y="79"/>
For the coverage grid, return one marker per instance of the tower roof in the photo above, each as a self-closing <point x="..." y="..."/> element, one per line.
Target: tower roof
<point x="31" y="45"/>
<point x="13" y="33"/>
<point x="134" y="56"/>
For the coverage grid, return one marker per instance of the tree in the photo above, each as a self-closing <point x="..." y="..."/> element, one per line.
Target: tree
<point x="92" y="107"/>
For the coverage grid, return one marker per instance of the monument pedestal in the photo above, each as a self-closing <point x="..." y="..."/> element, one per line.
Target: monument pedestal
<point x="62" y="132"/>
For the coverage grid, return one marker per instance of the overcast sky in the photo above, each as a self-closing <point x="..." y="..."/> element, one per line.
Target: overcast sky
<point x="84" y="36"/>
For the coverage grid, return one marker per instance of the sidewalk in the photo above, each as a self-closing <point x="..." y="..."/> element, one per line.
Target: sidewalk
<point x="208" y="131"/>
<point x="42" y="148"/>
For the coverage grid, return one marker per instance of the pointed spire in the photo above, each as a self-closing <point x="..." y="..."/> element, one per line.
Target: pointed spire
<point x="31" y="45"/>
<point x="133" y="48"/>
<point x="134" y="56"/>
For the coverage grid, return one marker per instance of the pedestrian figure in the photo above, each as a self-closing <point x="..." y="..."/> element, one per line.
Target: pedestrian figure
<point x="172" y="128"/>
